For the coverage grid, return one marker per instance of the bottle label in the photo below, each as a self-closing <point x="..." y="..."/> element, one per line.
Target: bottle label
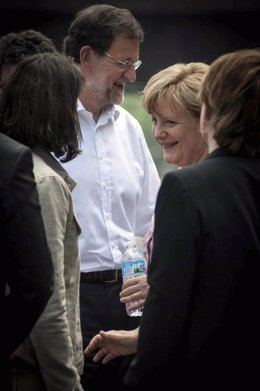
<point x="133" y="268"/>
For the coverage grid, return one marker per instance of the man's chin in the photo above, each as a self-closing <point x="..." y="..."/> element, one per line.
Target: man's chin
<point x="119" y="99"/>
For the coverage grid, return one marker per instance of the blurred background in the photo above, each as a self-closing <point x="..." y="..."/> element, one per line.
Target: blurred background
<point x="175" y="31"/>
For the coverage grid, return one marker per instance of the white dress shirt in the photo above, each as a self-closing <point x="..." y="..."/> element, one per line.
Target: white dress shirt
<point x="117" y="185"/>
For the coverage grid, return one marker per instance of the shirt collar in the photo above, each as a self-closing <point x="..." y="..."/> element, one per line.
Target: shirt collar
<point x="110" y="112"/>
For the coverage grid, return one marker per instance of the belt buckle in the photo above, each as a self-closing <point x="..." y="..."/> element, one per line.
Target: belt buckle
<point x="116" y="276"/>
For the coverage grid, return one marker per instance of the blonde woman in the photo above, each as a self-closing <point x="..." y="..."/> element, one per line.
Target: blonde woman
<point x="171" y="98"/>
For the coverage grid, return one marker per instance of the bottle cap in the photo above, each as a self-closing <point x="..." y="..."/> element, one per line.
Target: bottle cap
<point x="130" y="244"/>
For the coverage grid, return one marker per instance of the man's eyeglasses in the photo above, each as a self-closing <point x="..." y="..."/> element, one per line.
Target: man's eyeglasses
<point x="125" y="64"/>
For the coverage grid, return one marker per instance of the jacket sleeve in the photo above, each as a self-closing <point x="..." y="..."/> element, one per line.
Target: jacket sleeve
<point x="171" y="279"/>
<point x="51" y="336"/>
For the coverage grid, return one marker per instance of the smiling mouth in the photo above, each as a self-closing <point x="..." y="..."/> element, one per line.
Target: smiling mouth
<point x="169" y="145"/>
<point x="121" y="85"/>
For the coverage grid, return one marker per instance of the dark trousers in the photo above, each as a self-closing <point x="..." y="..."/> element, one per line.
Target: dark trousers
<point x="5" y="371"/>
<point x="101" y="310"/>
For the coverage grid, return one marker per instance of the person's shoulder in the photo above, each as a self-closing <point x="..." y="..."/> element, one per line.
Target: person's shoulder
<point x="15" y="162"/>
<point x="13" y="155"/>
<point x="184" y="173"/>
<point x="8" y="146"/>
<point x="42" y="169"/>
<point x="47" y="179"/>
<point x="196" y="174"/>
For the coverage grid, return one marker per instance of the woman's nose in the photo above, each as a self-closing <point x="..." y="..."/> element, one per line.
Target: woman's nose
<point x="158" y="132"/>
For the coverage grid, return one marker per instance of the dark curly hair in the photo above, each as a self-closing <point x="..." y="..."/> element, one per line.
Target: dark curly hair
<point x="15" y="46"/>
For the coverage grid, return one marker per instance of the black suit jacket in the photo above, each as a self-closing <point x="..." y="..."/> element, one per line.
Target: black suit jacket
<point x="201" y="325"/>
<point x="26" y="265"/>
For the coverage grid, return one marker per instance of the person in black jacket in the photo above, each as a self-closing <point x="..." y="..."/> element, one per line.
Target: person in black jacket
<point x="200" y="325"/>
<point x="26" y="281"/>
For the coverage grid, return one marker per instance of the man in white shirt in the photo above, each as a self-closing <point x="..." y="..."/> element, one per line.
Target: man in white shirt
<point x="117" y="181"/>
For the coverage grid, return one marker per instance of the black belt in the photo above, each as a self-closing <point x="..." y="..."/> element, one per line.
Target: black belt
<point x="102" y="276"/>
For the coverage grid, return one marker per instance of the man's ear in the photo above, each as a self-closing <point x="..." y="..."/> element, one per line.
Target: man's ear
<point x="86" y="54"/>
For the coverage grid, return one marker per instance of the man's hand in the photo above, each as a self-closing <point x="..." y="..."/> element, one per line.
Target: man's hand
<point x="134" y="291"/>
<point x="113" y="343"/>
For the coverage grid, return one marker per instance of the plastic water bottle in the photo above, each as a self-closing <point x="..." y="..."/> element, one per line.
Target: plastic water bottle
<point x="133" y="264"/>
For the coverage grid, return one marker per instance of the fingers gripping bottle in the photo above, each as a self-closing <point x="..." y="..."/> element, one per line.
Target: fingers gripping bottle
<point x="133" y="264"/>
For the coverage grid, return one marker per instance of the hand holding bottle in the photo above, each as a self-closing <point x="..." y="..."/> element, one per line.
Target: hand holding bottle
<point x="133" y="265"/>
<point x="135" y="291"/>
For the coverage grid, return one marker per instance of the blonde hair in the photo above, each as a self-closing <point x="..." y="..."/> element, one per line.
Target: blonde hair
<point x="178" y="85"/>
<point x="231" y="93"/>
